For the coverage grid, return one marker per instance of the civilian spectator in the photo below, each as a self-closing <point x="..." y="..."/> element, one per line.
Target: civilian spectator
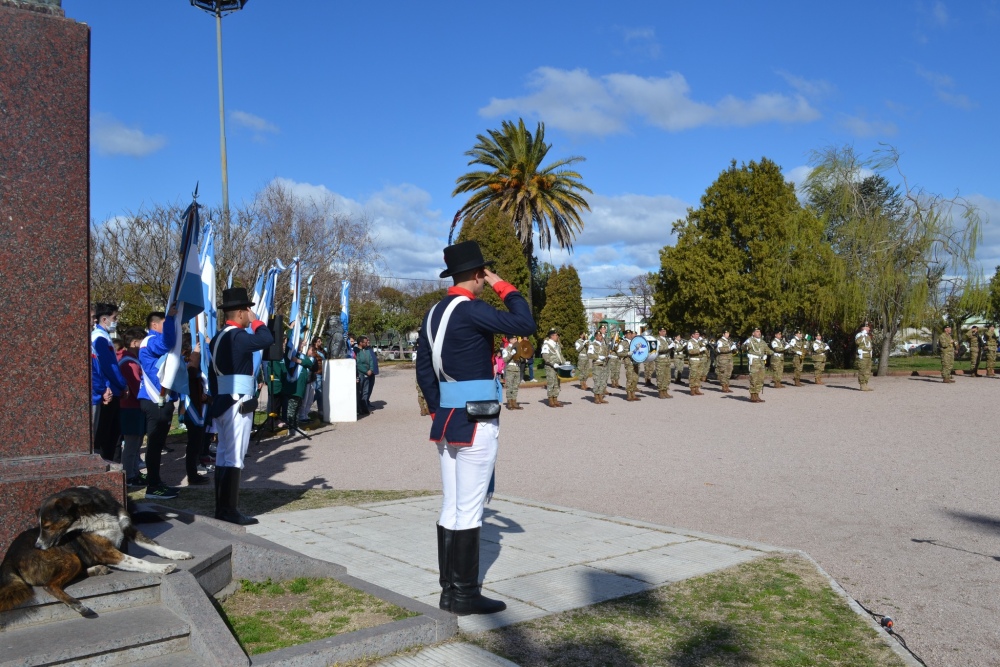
<point x="194" y="414"/>
<point x="366" y="372"/>
<point x="107" y="427"/>
<point x="133" y="422"/>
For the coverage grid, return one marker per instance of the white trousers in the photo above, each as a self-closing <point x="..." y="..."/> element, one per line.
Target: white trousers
<point x="234" y="437"/>
<point x="465" y="477"/>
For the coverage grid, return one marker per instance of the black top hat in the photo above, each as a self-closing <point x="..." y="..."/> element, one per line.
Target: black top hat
<point x="235" y="297"/>
<point x="463" y="256"/>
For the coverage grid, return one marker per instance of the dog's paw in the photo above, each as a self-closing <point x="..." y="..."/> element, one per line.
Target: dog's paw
<point x="98" y="570"/>
<point x="178" y="555"/>
<point x="165" y="569"/>
<point x="86" y="612"/>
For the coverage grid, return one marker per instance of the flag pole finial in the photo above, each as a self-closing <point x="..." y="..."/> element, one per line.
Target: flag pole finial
<point x="195" y="195"/>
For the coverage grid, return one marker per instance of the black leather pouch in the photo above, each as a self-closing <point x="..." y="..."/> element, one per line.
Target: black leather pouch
<point x="479" y="410"/>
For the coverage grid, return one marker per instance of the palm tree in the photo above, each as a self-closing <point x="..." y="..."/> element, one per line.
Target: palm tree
<point x="548" y="197"/>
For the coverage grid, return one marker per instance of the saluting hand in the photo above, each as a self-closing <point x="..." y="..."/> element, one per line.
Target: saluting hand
<point x="491" y="278"/>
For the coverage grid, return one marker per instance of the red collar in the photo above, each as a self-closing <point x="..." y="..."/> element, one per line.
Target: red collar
<point x="455" y="290"/>
<point x="230" y="323"/>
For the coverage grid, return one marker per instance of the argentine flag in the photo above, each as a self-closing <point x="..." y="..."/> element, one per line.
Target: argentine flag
<point x="188" y="295"/>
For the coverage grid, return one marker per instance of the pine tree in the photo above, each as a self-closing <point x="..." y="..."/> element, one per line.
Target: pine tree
<point x="564" y="309"/>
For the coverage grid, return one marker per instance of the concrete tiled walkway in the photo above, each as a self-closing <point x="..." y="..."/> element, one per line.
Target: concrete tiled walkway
<point x="540" y="559"/>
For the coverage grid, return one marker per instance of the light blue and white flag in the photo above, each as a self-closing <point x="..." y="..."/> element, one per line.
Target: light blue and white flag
<point x="207" y="323"/>
<point x="188" y="296"/>
<point x="309" y="307"/>
<point x="345" y="313"/>
<point x="295" y="314"/>
<point x="263" y="298"/>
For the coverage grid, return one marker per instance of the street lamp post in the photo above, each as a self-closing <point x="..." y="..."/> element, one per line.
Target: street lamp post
<point x="218" y="8"/>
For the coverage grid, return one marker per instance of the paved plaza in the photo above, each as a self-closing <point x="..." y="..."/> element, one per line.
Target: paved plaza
<point x="895" y="492"/>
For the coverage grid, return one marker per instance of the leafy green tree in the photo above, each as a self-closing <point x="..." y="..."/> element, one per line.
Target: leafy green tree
<point x="540" y="274"/>
<point x="534" y="196"/>
<point x="994" y="296"/>
<point x="564" y="309"/>
<point x="749" y="256"/>
<point x="492" y="230"/>
<point x="892" y="239"/>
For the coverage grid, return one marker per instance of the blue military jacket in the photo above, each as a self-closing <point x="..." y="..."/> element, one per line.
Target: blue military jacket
<point x="235" y="357"/>
<point x="467" y="352"/>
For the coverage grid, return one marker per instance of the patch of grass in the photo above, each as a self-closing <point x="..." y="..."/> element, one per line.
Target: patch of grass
<point x="771" y="612"/>
<point x="200" y="500"/>
<point x="269" y="615"/>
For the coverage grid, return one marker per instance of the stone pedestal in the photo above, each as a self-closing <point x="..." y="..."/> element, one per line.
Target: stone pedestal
<point x="45" y="441"/>
<point x="340" y="391"/>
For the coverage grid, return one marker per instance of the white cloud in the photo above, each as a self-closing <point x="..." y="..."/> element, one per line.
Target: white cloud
<point x="811" y="88"/>
<point x="797" y="176"/>
<point x="411" y="235"/>
<point x="110" y="136"/>
<point x="252" y="122"/>
<point x="943" y="86"/>
<point x="642" y="41"/>
<point x="862" y="127"/>
<point x="940" y="13"/>
<point x="988" y="252"/>
<point x="575" y="101"/>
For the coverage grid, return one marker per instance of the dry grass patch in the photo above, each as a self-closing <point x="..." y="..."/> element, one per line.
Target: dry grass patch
<point x="270" y="615"/>
<point x="772" y="612"/>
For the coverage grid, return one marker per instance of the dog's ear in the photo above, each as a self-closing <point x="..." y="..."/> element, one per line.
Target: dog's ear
<point x="67" y="506"/>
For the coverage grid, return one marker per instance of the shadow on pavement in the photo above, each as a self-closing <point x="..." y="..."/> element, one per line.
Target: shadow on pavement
<point x="982" y="521"/>
<point x="491" y="532"/>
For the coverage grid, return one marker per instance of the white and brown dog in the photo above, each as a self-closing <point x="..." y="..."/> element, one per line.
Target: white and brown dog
<point x="80" y="529"/>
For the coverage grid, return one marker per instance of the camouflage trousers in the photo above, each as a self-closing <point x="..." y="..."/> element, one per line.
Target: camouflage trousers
<point x="756" y="376"/>
<point x="512" y="380"/>
<point x="663" y="372"/>
<point x="584" y="367"/>
<point x="724" y="368"/>
<point x="947" y="364"/>
<point x="631" y="375"/>
<point x="864" y="371"/>
<point x="974" y="359"/>
<point x="694" y="372"/>
<point x="649" y="369"/>
<point x="678" y="364"/>
<point x="552" y="381"/>
<point x="819" y="364"/>
<point x="797" y="366"/>
<point x="421" y="401"/>
<point x="991" y="359"/>
<point x="600" y="378"/>
<point x="777" y="368"/>
<point x="614" y="370"/>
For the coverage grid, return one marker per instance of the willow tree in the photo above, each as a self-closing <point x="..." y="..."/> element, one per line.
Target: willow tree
<point x="891" y="238"/>
<point x="546" y="199"/>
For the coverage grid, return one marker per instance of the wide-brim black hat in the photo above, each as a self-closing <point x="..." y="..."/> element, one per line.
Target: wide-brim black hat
<point x="235" y="297"/>
<point x="463" y="256"/>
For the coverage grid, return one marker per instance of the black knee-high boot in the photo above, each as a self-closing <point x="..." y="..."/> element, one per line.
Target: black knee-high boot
<point x="466" y="596"/>
<point x="227" y="497"/>
<point x="445" y="544"/>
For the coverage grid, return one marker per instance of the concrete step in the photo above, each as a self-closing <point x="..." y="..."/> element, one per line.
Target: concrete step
<point x="186" y="658"/>
<point x="106" y="593"/>
<point x="114" y="638"/>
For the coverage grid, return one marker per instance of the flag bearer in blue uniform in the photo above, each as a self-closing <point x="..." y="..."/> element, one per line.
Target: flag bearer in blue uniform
<point x="234" y="390"/>
<point x="157" y="404"/>
<point x="455" y="373"/>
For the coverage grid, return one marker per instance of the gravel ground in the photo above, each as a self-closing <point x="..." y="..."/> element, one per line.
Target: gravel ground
<point x="894" y="492"/>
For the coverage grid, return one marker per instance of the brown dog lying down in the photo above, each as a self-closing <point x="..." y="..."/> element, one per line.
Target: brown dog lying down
<point x="80" y="529"/>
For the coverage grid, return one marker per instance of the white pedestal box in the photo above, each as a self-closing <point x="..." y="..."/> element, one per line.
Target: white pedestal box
<point x="340" y="391"/>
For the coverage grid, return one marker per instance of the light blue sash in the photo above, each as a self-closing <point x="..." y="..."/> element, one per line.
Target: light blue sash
<point x="457" y="394"/>
<point x="243" y="385"/>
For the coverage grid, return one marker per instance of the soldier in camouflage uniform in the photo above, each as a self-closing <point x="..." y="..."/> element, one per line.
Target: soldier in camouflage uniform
<point x="778" y="347"/>
<point x="696" y="352"/>
<point x="663" y="347"/>
<point x="725" y="348"/>
<point x="614" y="362"/>
<point x="512" y="372"/>
<point x="621" y="355"/>
<point x="819" y="350"/>
<point x="990" y="342"/>
<point x="552" y="356"/>
<point x="678" y="358"/>
<point x="757" y="354"/>
<point x="947" y="355"/>
<point x="973" y="337"/>
<point x="863" y="340"/>
<point x="597" y="352"/>
<point x="631" y="369"/>
<point x="583" y="369"/>
<point x="799" y="347"/>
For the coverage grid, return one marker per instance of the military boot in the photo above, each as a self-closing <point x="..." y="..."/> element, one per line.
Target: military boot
<point x="798" y="382"/>
<point x="583" y="385"/>
<point x="599" y="399"/>
<point x="466" y="591"/>
<point x="552" y="401"/>
<point x="515" y="404"/>
<point x="649" y="383"/>
<point x="819" y="380"/>
<point x="726" y="389"/>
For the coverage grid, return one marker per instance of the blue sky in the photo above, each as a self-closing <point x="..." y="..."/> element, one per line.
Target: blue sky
<point x="378" y="102"/>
